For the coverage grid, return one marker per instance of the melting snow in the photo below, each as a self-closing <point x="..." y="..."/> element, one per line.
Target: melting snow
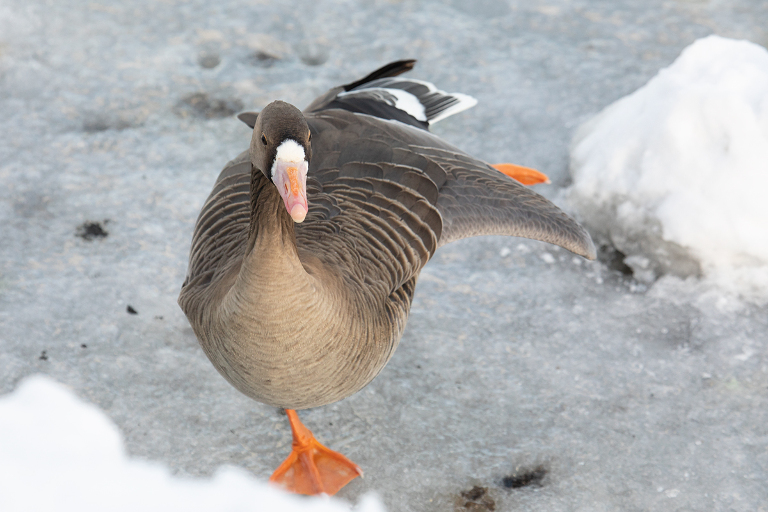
<point x="58" y="453"/>
<point x="675" y="175"/>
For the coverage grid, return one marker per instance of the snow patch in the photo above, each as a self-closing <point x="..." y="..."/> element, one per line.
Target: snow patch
<point x="58" y="454"/>
<point x="675" y="175"/>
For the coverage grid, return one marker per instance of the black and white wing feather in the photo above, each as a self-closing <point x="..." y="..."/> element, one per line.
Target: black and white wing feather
<point x="421" y="100"/>
<point x="386" y="95"/>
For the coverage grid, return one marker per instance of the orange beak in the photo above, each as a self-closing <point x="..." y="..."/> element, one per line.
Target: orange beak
<point x="291" y="181"/>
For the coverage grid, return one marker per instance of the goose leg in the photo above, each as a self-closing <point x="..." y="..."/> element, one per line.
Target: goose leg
<point x="524" y="175"/>
<point x="311" y="468"/>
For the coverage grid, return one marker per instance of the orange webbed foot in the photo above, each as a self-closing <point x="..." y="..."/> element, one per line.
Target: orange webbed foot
<point x="311" y="468"/>
<point x="524" y="175"/>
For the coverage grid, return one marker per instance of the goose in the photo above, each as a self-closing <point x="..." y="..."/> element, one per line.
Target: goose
<point x="305" y="256"/>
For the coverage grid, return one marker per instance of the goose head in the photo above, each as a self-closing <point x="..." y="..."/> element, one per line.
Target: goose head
<point x="280" y="149"/>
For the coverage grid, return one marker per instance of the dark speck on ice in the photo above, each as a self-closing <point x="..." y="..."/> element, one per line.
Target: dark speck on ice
<point x="91" y="230"/>
<point x="525" y="478"/>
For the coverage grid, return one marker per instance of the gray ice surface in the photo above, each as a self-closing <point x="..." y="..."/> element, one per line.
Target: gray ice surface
<point x="517" y="356"/>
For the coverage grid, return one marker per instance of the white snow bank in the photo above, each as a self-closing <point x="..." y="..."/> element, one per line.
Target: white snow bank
<point x="676" y="173"/>
<point x="58" y="453"/>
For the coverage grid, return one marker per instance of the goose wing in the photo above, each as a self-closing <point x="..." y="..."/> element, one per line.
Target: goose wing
<point x="403" y="189"/>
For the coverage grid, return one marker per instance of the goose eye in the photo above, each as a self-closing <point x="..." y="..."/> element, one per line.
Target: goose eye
<point x="263" y="139"/>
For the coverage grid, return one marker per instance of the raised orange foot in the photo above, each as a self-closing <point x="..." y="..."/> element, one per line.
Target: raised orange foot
<point x="524" y="175"/>
<point x="311" y="468"/>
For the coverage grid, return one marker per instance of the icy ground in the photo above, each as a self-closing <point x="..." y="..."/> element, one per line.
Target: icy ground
<point x="527" y="379"/>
